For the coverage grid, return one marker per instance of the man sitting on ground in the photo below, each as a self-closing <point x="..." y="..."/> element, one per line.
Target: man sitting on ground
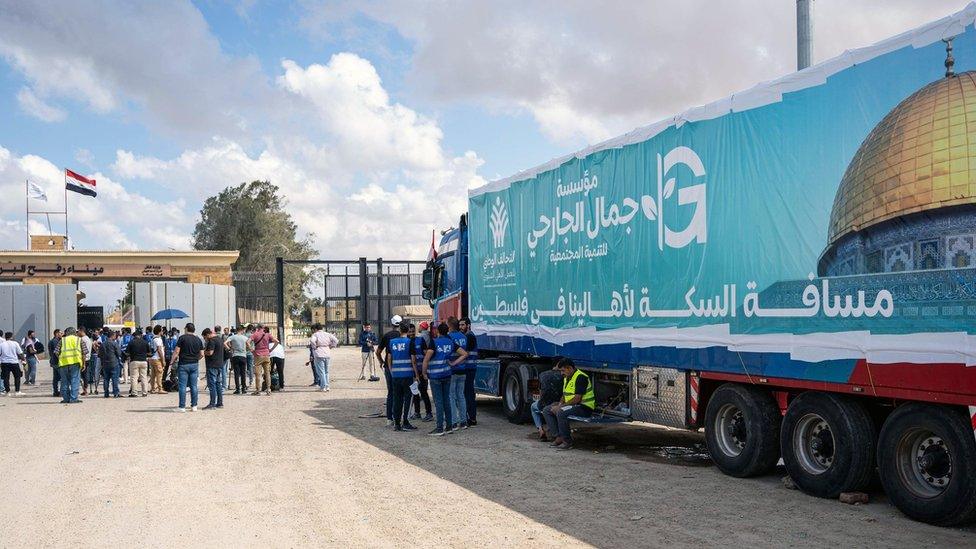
<point x="550" y="392"/>
<point x="578" y="400"/>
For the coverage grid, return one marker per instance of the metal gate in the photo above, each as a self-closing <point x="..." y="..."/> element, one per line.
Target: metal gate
<point x="353" y="292"/>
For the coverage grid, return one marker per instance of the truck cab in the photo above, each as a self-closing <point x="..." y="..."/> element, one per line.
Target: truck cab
<point x="445" y="278"/>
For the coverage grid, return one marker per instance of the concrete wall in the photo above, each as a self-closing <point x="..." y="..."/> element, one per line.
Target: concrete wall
<point x="207" y="304"/>
<point x="41" y="308"/>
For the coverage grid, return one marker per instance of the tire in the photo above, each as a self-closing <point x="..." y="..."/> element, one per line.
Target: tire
<point x="943" y="437"/>
<point x="827" y="443"/>
<point x="517" y="407"/>
<point x="742" y="430"/>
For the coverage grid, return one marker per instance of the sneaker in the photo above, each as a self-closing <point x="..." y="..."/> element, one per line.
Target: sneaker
<point x="18" y="393"/>
<point x="565" y="446"/>
<point x="324" y="389"/>
<point x="455" y="427"/>
<point x="237" y="392"/>
<point x="415" y="416"/>
<point x="256" y="393"/>
<point x="428" y="417"/>
<point x="436" y="433"/>
<point x="193" y="409"/>
<point x="181" y="410"/>
<point x="472" y="422"/>
<point x="397" y="428"/>
<point x="389" y="423"/>
<point x="409" y="427"/>
<point x="464" y="424"/>
<point x="209" y="407"/>
<point x="133" y="395"/>
<point x="268" y="393"/>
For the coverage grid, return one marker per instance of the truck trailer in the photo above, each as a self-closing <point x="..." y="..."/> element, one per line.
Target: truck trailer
<point x="791" y="268"/>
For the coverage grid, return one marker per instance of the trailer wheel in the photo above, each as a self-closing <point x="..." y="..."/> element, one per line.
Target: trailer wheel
<point x="742" y="430"/>
<point x="927" y="461"/>
<point x="827" y="443"/>
<point x="517" y="408"/>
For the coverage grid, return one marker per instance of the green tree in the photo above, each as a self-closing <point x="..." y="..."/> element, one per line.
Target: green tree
<point x="251" y="219"/>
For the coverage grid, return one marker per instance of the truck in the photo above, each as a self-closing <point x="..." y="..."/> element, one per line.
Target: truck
<point x="791" y="269"/>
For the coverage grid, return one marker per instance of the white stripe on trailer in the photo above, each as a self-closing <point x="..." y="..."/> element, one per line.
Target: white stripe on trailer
<point x="448" y="246"/>
<point x="693" y="396"/>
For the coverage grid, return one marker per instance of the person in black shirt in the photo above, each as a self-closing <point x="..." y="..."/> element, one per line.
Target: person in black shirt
<point x="550" y="391"/>
<point x="214" y="352"/>
<point x="381" y="351"/>
<point x="138" y="352"/>
<point x="186" y="362"/>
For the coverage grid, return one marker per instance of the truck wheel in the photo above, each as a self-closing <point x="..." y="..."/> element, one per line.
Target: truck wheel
<point x="742" y="430"/>
<point x="517" y="408"/>
<point x="827" y="442"/>
<point x="927" y="461"/>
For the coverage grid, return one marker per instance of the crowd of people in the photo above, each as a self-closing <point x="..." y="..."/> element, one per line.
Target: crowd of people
<point x="153" y="360"/>
<point x="440" y="360"/>
<point x="417" y="363"/>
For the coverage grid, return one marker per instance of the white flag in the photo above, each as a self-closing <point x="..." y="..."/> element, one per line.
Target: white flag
<point x="33" y="191"/>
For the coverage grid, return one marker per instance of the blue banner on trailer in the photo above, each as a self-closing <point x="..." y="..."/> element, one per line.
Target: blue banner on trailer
<point x="820" y="219"/>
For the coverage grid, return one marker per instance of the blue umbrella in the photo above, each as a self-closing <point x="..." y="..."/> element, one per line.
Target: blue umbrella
<point x="169" y="314"/>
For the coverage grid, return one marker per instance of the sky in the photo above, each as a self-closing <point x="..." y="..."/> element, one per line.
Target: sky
<point x="373" y="117"/>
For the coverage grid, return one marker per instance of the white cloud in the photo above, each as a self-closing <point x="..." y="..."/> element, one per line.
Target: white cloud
<point x="590" y="70"/>
<point x="35" y="106"/>
<point x="153" y="60"/>
<point x="111" y="220"/>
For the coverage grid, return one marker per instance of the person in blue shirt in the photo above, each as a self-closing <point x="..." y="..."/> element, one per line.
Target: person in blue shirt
<point x="459" y="408"/>
<point x="400" y="365"/>
<point x="111" y="358"/>
<point x="437" y="368"/>
<point x="124" y="347"/>
<point x="470" y="370"/>
<point x="367" y="344"/>
<point x="420" y="343"/>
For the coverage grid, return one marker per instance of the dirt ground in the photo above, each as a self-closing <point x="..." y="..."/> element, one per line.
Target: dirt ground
<point x="300" y="468"/>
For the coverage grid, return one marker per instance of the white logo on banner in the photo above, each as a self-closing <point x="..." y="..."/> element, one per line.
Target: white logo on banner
<point x="498" y="222"/>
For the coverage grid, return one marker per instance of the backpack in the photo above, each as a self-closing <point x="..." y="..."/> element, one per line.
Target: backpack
<point x="38" y="347"/>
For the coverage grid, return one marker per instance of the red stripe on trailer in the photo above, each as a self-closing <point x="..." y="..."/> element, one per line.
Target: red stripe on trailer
<point x="899" y="393"/>
<point x="972" y="417"/>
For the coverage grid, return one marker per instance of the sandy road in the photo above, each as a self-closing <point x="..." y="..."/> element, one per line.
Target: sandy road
<point x="300" y="468"/>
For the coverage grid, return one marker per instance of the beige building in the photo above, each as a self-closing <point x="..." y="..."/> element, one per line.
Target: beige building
<point x="336" y="312"/>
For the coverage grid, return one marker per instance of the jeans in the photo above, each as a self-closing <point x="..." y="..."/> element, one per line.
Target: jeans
<point x="70" y="380"/>
<point x="559" y="421"/>
<point x="111" y="373"/>
<point x="536" y="414"/>
<point x="322" y="371"/>
<point x="401" y="400"/>
<point x="250" y="369"/>
<point x="240" y="373"/>
<point x="422" y="384"/>
<point x="187" y="375"/>
<point x="441" y="389"/>
<point x="389" y="393"/>
<point x="91" y="371"/>
<point x="14" y="369"/>
<point x="278" y="365"/>
<point x="30" y="376"/>
<point x="56" y="380"/>
<point x="459" y="409"/>
<point x="223" y="375"/>
<point x="216" y="389"/>
<point x="469" y="398"/>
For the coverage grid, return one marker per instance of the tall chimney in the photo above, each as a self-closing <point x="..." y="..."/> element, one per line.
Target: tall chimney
<point x="804" y="33"/>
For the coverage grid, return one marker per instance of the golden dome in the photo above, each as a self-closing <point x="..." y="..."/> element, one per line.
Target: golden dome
<point x="921" y="156"/>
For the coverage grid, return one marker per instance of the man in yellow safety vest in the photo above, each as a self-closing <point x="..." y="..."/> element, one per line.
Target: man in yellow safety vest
<point x="71" y="352"/>
<point x="578" y="400"/>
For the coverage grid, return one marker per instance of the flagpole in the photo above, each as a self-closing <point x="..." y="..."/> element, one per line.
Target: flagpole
<point x="67" y="239"/>
<point x="27" y="209"/>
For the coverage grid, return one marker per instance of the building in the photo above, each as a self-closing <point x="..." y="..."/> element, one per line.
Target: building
<point x="907" y="201"/>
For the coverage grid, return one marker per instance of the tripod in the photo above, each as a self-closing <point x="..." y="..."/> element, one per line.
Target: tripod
<point x="371" y="360"/>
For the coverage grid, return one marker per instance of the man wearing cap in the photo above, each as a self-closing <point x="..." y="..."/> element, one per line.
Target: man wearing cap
<point x="381" y="351"/>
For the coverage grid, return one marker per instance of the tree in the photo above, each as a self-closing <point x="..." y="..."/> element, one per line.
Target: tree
<point x="251" y="219"/>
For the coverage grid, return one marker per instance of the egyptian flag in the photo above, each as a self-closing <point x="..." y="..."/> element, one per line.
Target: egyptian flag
<point x="79" y="183"/>
<point x="432" y="254"/>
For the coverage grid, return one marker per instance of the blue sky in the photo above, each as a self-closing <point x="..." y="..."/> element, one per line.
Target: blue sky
<point x="360" y="111"/>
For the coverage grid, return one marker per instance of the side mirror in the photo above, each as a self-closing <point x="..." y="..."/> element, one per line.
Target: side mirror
<point x="428" y="277"/>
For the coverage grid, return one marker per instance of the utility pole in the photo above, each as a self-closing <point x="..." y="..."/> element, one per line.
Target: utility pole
<point x="804" y="33"/>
